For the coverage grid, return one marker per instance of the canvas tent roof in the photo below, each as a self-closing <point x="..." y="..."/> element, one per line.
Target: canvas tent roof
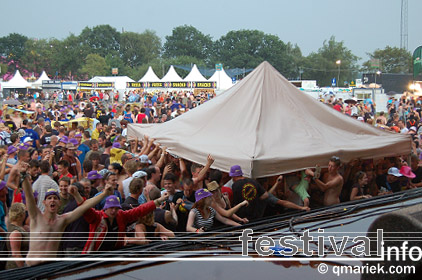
<point x="269" y="127"/>
<point x="150" y="76"/>
<point x="195" y="76"/>
<point x="16" y="82"/>
<point x="223" y="80"/>
<point x="43" y="77"/>
<point x="171" y="76"/>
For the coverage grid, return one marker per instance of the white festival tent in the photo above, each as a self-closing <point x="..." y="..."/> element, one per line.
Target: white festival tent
<point x="222" y="79"/>
<point x="150" y="76"/>
<point x="38" y="83"/>
<point x="195" y="76"/>
<point x="16" y="82"/>
<point x="171" y="76"/>
<point x="269" y="127"/>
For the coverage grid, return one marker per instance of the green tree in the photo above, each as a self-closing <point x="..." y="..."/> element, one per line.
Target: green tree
<point x="95" y="65"/>
<point x="322" y="67"/>
<point x="38" y="56"/>
<point x="13" y="46"/>
<point x="392" y="60"/>
<point x="186" y="40"/>
<point x="137" y="49"/>
<point x="67" y="58"/>
<point x="101" y="39"/>
<point x="248" y="48"/>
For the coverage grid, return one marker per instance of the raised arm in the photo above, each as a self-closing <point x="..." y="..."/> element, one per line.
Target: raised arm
<point x="89" y="203"/>
<point x="204" y="170"/>
<point x="31" y="205"/>
<point x="278" y="183"/>
<point x="161" y="161"/>
<point x="3" y="166"/>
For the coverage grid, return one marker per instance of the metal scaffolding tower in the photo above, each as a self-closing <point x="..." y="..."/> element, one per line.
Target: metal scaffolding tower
<point x="404" y="37"/>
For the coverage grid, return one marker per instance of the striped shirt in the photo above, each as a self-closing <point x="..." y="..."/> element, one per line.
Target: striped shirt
<point x="201" y="222"/>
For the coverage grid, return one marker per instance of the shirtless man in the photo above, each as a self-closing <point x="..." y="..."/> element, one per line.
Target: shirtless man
<point x="47" y="227"/>
<point x="332" y="182"/>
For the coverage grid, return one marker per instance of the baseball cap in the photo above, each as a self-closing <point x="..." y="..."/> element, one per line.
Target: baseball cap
<point x="27" y="139"/>
<point x="394" y="171"/>
<point x="139" y="174"/>
<point x="144" y="159"/>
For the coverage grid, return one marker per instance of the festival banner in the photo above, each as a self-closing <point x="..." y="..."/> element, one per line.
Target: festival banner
<point x="204" y="84"/>
<point x="155" y="85"/>
<point x="178" y="84"/>
<point x="135" y="85"/>
<point x="86" y="84"/>
<point x="105" y="85"/>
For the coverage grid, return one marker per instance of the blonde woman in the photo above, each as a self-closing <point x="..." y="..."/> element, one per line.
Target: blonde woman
<point x="17" y="236"/>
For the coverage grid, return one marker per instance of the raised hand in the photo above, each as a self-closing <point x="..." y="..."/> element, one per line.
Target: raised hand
<point x="109" y="189"/>
<point x="163" y="197"/>
<point x="210" y="160"/>
<point x="73" y="190"/>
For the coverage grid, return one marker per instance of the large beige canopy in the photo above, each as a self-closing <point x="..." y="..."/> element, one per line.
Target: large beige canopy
<point x="268" y="127"/>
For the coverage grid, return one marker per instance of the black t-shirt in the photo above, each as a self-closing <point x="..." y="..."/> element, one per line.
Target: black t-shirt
<point x="130" y="203"/>
<point x="418" y="173"/>
<point x="104" y="119"/>
<point x="250" y="190"/>
<point x="111" y="237"/>
<point x="46" y="139"/>
<point x="382" y="182"/>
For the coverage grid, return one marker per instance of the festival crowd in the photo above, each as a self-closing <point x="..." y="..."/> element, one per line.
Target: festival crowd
<point x="68" y="189"/>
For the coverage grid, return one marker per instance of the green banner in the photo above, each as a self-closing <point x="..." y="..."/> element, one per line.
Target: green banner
<point x="417" y="61"/>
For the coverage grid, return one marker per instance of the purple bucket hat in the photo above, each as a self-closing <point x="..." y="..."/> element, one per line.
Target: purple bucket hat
<point x="64" y="139"/>
<point x="11" y="150"/>
<point x="93" y="175"/>
<point x="116" y="145"/>
<point x="235" y="171"/>
<point x="112" y="201"/>
<point x="202" y="193"/>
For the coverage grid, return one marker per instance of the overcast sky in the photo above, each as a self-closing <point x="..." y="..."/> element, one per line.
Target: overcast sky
<point x="363" y="25"/>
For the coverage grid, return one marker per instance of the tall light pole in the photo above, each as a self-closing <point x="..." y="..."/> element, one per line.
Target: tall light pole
<point x="338" y="62"/>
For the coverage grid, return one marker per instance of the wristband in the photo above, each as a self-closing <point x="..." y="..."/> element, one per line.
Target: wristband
<point x="197" y="230"/>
